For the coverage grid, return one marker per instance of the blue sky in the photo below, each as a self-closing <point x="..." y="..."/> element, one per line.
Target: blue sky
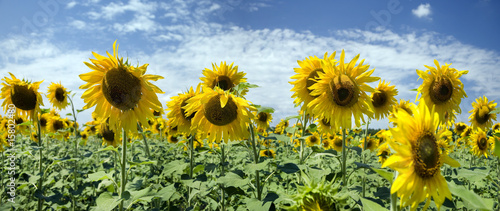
<point x="50" y="39"/>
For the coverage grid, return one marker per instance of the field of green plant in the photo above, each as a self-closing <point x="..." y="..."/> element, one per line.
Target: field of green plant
<point x="210" y="148"/>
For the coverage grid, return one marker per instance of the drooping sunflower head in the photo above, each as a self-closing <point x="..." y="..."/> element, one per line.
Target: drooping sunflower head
<point x="224" y="76"/>
<point x="383" y="99"/>
<point x="481" y="143"/>
<point x="342" y="91"/>
<point x="23" y="94"/>
<point x="306" y="76"/>
<point x="120" y="91"/>
<point x="313" y="139"/>
<point x="267" y="153"/>
<point x="481" y="116"/>
<point x="176" y="108"/>
<point x="220" y="114"/>
<point x="263" y="119"/>
<point x="442" y="88"/>
<point x="460" y="127"/>
<point x="418" y="158"/>
<point x="58" y="95"/>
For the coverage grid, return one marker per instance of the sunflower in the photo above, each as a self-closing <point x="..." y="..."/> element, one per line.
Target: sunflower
<point x="342" y="91"/>
<point x="383" y="152"/>
<point x="58" y="95"/>
<point x="481" y="144"/>
<point x="460" y="127"/>
<point x="337" y="143"/>
<point x="177" y="112"/>
<point x="328" y="141"/>
<point x="442" y="88"/>
<point x="481" y="116"/>
<point x="263" y="119"/>
<point x="220" y="114"/>
<point x="225" y="77"/>
<point x="85" y="137"/>
<point x="324" y="126"/>
<point x="34" y="136"/>
<point x="267" y="153"/>
<point x="315" y="194"/>
<point x="313" y="139"/>
<point x="55" y="123"/>
<point x="109" y="136"/>
<point x="24" y="95"/>
<point x="306" y="76"/>
<point x="383" y="99"/>
<point x="418" y="159"/>
<point x="173" y="139"/>
<point x="496" y="127"/>
<point x="445" y="138"/>
<point x="357" y="130"/>
<point x="120" y="92"/>
<point x="371" y="143"/>
<point x="406" y="106"/>
<point x="281" y="126"/>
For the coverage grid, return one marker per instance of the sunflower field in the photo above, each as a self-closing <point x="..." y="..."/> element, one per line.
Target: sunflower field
<point x="211" y="148"/>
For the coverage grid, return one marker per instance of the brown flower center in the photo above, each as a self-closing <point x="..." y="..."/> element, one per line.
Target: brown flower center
<point x="325" y="122"/>
<point x="107" y="134"/>
<point x="460" y="128"/>
<point x="23" y="98"/>
<point x="344" y="92"/>
<point x="223" y="82"/>
<point x="121" y="88"/>
<point x="262" y="117"/>
<point x="312" y="79"/>
<point x="441" y="90"/>
<point x="426" y="156"/>
<point x="60" y="94"/>
<point x="156" y="113"/>
<point x="338" y="142"/>
<point x="173" y="139"/>
<point x="219" y="116"/>
<point x="57" y="125"/>
<point x="43" y="122"/>
<point x="379" y="99"/>
<point x="482" y="114"/>
<point x="482" y="143"/>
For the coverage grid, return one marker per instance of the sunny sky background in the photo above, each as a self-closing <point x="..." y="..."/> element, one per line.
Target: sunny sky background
<point x="50" y="39"/>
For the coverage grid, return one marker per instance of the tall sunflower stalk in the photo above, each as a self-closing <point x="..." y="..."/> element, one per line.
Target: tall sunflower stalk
<point x="256" y="160"/>
<point x="40" y="147"/>
<point x="75" y="172"/>
<point x="123" y="172"/>
<point x="363" y="184"/>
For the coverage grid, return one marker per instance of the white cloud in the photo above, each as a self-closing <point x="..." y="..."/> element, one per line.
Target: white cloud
<point x="422" y="11"/>
<point x="78" y="24"/>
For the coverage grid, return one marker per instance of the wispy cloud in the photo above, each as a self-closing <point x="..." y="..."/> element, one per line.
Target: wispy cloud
<point x="423" y="11"/>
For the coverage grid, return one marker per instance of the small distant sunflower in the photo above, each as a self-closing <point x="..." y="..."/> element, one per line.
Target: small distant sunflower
<point x="221" y="114"/>
<point x="383" y="99"/>
<point x="496" y="127"/>
<point x="58" y="95"/>
<point x="460" y="127"/>
<point x="120" y="92"/>
<point x="357" y="130"/>
<point x="341" y="92"/>
<point x="307" y="75"/>
<point x="324" y="126"/>
<point x="109" y="136"/>
<point x="418" y="159"/>
<point x="328" y="141"/>
<point x="267" y="153"/>
<point x="173" y="139"/>
<point x="224" y="76"/>
<point x="177" y="112"/>
<point x="481" y="144"/>
<point x="85" y="137"/>
<point x="383" y="152"/>
<point x="263" y="119"/>
<point x="371" y="143"/>
<point x="34" y="137"/>
<point x="313" y="139"/>
<point x="281" y="126"/>
<point x="337" y="143"/>
<point x="444" y="140"/>
<point x="481" y="116"/>
<point x="24" y="95"/>
<point x="467" y="132"/>
<point x="157" y="113"/>
<point x="406" y="106"/>
<point x="442" y="88"/>
<point x="55" y="123"/>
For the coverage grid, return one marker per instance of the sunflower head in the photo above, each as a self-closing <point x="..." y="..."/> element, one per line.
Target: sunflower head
<point x="460" y="127"/>
<point x="23" y="94"/>
<point x="383" y="152"/>
<point x="109" y="136"/>
<point x="120" y="91"/>
<point x="403" y="105"/>
<point x="442" y="89"/>
<point x="337" y="143"/>
<point x="267" y="153"/>
<point x="313" y="139"/>
<point x="481" y="116"/>
<point x="418" y="158"/>
<point x="176" y="108"/>
<point x="383" y="99"/>
<point x="342" y="91"/>
<point x="263" y="119"/>
<point x="58" y="95"/>
<point x="481" y="144"/>
<point x="224" y="76"/>
<point x="496" y="127"/>
<point x="371" y="143"/>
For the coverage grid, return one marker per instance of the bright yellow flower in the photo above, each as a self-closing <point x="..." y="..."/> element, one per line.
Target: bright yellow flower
<point x="58" y="95"/>
<point x="24" y="95"/>
<point x="481" y="144"/>
<point x="267" y="153"/>
<point x="481" y="116"/>
<point x="224" y="76"/>
<point x="176" y="112"/>
<point x="383" y="99"/>
<point x="313" y="139"/>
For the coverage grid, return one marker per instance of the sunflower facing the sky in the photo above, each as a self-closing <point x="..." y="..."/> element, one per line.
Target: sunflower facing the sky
<point x="307" y="75"/>
<point x="120" y="91"/>
<point x="383" y="99"/>
<point x="24" y="95"/>
<point x="481" y="144"/>
<point x="442" y="88"/>
<point x="418" y="159"/>
<point x="341" y="92"/>
<point x="481" y="116"/>
<point x="58" y="95"/>
<point x="177" y="112"/>
<point x="220" y="114"/>
<point x="224" y="76"/>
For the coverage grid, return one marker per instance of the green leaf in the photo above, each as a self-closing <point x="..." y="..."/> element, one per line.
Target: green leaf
<point x="69" y="114"/>
<point x="166" y="192"/>
<point x="145" y="194"/>
<point x="312" y="128"/>
<point x="79" y="110"/>
<point x="198" y="168"/>
<point x="107" y="202"/>
<point x="385" y="174"/>
<point x="476" y="175"/>
<point x="293" y="117"/>
<point x="252" y="167"/>
<point x="100" y="175"/>
<point x="496" y="111"/>
<point x="176" y="166"/>
<point x="232" y="179"/>
<point x="26" y="123"/>
<point x="290" y="130"/>
<point x="369" y="205"/>
<point x="471" y="200"/>
<point x="289" y="168"/>
<point x="109" y="148"/>
<point x="414" y="90"/>
<point x="497" y="147"/>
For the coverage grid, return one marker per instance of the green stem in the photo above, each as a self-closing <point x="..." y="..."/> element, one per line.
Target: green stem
<point x="256" y="159"/>
<point x="191" y="164"/>
<point x="223" y="205"/>
<point x="344" y="157"/>
<point x="394" y="196"/>
<point x="304" y="126"/>
<point x="75" y="171"/>
<point x="146" y="146"/>
<point x="364" y="160"/>
<point x="124" y="164"/>
<point x="40" y="181"/>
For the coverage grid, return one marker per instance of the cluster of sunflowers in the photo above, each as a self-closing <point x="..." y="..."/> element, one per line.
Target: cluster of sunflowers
<point x="331" y="94"/>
